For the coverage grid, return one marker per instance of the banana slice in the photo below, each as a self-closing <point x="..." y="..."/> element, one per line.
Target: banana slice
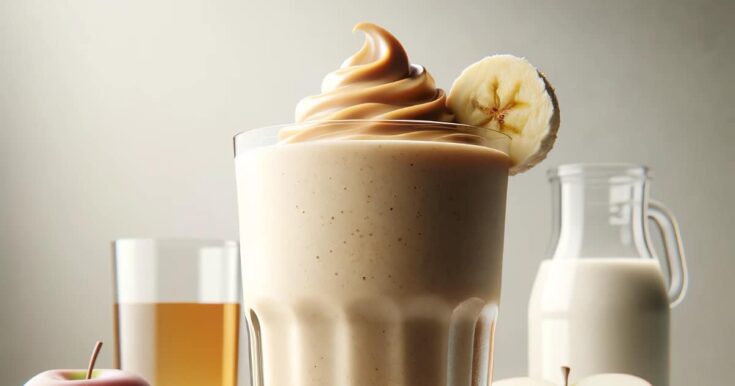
<point x="508" y="94"/>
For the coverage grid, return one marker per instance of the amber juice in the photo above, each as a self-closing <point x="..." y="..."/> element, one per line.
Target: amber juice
<point x="176" y="344"/>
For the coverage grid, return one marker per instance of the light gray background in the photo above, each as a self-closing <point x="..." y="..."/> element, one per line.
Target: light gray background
<point x="116" y="120"/>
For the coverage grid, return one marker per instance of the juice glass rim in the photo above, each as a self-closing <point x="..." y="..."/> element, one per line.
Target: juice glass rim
<point x="160" y="240"/>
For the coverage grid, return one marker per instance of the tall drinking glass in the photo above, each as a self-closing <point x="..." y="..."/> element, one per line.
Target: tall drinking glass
<point x="177" y="310"/>
<point x="372" y="260"/>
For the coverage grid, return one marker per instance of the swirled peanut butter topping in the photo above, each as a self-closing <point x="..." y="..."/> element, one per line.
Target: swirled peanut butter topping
<point x="376" y="83"/>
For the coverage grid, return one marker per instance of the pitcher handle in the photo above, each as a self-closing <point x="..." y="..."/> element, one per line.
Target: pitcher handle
<point x="667" y="225"/>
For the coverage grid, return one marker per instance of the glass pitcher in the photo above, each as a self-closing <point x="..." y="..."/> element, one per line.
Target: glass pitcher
<point x="601" y="303"/>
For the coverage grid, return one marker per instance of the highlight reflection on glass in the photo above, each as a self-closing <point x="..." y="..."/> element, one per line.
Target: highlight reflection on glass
<point x="177" y="310"/>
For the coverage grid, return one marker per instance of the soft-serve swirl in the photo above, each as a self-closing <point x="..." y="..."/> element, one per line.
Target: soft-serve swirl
<point x="376" y="83"/>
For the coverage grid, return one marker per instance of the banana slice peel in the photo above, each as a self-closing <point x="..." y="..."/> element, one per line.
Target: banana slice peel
<point x="508" y="94"/>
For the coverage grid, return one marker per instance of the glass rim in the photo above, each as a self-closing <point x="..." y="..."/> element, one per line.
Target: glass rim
<point x="599" y="170"/>
<point x="158" y="240"/>
<point x="392" y="121"/>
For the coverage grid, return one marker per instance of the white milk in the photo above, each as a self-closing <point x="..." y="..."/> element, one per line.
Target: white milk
<point x="599" y="315"/>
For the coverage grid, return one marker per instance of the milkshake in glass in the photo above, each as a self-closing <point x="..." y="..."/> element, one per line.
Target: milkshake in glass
<point x="372" y="233"/>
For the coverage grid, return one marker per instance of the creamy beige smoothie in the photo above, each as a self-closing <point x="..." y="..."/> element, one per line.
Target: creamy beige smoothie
<point x="372" y="248"/>
<point x="372" y="262"/>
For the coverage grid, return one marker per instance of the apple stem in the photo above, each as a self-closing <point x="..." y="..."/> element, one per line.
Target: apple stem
<point x="93" y="359"/>
<point x="565" y="372"/>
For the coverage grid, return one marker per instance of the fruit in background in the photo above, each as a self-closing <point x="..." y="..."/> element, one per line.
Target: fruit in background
<point x="595" y="380"/>
<point x="612" y="380"/>
<point x="508" y="94"/>
<point x="107" y="377"/>
<point x="88" y="377"/>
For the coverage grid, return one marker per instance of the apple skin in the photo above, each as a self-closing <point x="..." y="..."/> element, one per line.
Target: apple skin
<point x="613" y="380"/>
<point x="522" y="381"/>
<point x="595" y="380"/>
<point x="77" y="377"/>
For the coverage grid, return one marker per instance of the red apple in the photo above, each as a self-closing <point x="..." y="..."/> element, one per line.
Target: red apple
<point x="88" y="377"/>
<point x="78" y="377"/>
<point x="595" y="380"/>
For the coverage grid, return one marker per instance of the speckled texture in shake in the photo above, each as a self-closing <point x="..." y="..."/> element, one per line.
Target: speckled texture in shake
<point x="372" y="263"/>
